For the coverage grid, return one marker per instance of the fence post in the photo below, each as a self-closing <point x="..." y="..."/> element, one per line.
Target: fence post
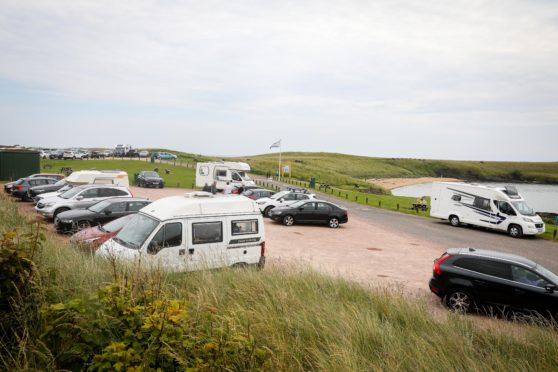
<point x="397" y="206"/>
<point x="380" y="204"/>
<point x="367" y="200"/>
<point x="346" y="196"/>
<point x="554" y="235"/>
<point x="356" y="197"/>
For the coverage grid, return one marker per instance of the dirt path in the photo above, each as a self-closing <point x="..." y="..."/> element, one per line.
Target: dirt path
<point x="393" y="183"/>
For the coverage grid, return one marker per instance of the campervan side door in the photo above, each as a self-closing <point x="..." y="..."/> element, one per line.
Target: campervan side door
<point x="206" y="245"/>
<point x="244" y="245"/>
<point x="167" y="246"/>
<point x="222" y="176"/>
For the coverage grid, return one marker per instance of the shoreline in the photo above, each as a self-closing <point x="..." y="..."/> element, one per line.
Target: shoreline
<point x="394" y="183"/>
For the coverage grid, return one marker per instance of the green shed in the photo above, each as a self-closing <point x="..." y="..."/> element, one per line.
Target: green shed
<point x="16" y="163"/>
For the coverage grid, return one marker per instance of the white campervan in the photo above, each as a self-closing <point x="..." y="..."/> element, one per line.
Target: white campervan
<point x="236" y="173"/>
<point x="108" y="177"/>
<point x="499" y="208"/>
<point x="192" y="232"/>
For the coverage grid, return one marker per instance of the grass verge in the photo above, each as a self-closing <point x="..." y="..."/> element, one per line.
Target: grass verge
<point x="296" y="319"/>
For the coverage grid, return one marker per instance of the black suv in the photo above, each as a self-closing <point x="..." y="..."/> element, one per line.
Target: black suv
<point x="150" y="179"/>
<point x="469" y="279"/>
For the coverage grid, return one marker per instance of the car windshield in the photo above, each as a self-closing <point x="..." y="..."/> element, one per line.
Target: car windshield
<point x="298" y="204"/>
<point x="70" y="193"/>
<point x="279" y="194"/>
<point x="116" y="224"/>
<point x="133" y="235"/>
<point x="151" y="174"/>
<point x="60" y="183"/>
<point x="99" y="206"/>
<point x="243" y="175"/>
<point x="19" y="182"/>
<point x="523" y="208"/>
<point x="547" y="274"/>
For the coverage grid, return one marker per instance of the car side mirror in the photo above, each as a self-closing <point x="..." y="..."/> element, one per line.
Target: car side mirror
<point x="301" y="208"/>
<point x="550" y="288"/>
<point x="108" y="212"/>
<point x="153" y="248"/>
<point x="498" y="214"/>
<point x="79" y="197"/>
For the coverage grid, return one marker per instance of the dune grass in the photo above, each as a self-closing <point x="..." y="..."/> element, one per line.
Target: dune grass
<point x="179" y="176"/>
<point x="309" y="321"/>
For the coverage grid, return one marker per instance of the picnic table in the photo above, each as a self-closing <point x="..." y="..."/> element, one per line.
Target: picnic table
<point x="419" y="206"/>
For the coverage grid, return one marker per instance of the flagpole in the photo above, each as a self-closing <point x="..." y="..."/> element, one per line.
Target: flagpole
<point x="280" y="161"/>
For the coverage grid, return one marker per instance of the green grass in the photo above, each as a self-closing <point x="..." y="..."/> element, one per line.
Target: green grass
<point x="179" y="176"/>
<point x="308" y="321"/>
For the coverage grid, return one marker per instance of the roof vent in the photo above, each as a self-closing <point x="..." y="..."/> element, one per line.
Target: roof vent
<point x="199" y="194"/>
<point x="472" y="249"/>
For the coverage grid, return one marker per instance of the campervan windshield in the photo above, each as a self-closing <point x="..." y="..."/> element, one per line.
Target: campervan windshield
<point x="523" y="208"/>
<point x="133" y="235"/>
<point x="243" y="175"/>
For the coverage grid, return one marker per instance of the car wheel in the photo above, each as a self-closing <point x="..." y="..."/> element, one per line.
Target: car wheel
<point x="82" y="225"/>
<point x="59" y="210"/>
<point x="454" y="221"/>
<point x="288" y="220"/>
<point x="333" y="222"/>
<point x="459" y="300"/>
<point x="515" y="231"/>
<point x="267" y="210"/>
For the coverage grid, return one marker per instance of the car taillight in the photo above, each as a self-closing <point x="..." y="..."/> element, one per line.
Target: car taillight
<point x="19" y="187"/>
<point x="263" y="249"/>
<point x="437" y="270"/>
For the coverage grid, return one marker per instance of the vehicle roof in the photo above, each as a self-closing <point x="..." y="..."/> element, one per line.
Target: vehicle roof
<point x="498" y="189"/>
<point x="199" y="204"/>
<point x="120" y="199"/>
<point x="485" y="253"/>
<point x="97" y="185"/>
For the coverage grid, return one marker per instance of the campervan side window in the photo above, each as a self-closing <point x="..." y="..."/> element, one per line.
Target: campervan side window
<point x="204" y="170"/>
<point x="456" y="197"/>
<point x="170" y="235"/>
<point x="482" y="203"/>
<point x="207" y="232"/>
<point x="505" y="208"/>
<point x="244" y="227"/>
<point x="221" y="173"/>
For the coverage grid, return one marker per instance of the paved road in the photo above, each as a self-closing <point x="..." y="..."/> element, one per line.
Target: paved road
<point x="442" y="233"/>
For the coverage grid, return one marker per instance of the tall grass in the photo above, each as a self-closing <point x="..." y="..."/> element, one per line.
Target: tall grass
<point x="309" y="321"/>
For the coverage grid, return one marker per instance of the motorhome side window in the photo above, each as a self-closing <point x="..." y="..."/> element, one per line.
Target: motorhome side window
<point x="207" y="232"/>
<point x="170" y="235"/>
<point x="204" y="171"/>
<point x="456" y="197"/>
<point x="221" y="173"/>
<point x="482" y="203"/>
<point x="244" y="227"/>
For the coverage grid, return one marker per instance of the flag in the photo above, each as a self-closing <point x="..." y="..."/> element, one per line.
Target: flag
<point x="275" y="144"/>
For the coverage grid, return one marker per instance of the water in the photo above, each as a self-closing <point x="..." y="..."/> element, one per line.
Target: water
<point x="542" y="198"/>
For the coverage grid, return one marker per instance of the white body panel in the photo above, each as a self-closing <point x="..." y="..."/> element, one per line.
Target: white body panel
<point x="221" y="173"/>
<point x="227" y="216"/>
<point x="119" y="178"/>
<point x="481" y="205"/>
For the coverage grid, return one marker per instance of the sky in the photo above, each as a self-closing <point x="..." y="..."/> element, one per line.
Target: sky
<point x="462" y="79"/>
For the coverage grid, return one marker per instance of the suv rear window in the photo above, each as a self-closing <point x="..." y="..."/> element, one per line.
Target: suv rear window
<point x="483" y="266"/>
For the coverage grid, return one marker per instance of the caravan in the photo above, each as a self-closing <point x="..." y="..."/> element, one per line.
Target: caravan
<point x="196" y="231"/>
<point x="235" y="173"/>
<point x="499" y="208"/>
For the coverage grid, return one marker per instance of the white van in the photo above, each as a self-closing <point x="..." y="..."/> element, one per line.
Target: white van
<point x="499" y="208"/>
<point x="192" y="232"/>
<point x="235" y="173"/>
<point x="104" y="177"/>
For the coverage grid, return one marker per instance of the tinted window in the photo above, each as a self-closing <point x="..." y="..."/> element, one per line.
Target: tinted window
<point x="301" y="197"/>
<point x="89" y="193"/>
<point x="493" y="268"/>
<point x="505" y="207"/>
<point x="244" y="227"/>
<point x="482" y="203"/>
<point x="112" y="192"/>
<point x="526" y="276"/>
<point x="207" y="232"/>
<point x="221" y="173"/>
<point x="323" y="207"/>
<point x="170" y="235"/>
<point x="136" y="205"/>
<point x="117" y="207"/>
<point x="289" y="197"/>
<point x="308" y="206"/>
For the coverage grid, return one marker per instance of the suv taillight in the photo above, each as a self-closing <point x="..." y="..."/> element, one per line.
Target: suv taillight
<point x="19" y="187"/>
<point x="263" y="249"/>
<point x="437" y="270"/>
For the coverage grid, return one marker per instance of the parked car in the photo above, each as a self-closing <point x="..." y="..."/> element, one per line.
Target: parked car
<point x="165" y="156"/>
<point x="50" y="194"/>
<point x="72" y="155"/>
<point x="44" y="154"/>
<point x="8" y="186"/>
<point x="91" y="238"/>
<point x="143" y="154"/>
<point x="467" y="279"/>
<point x="310" y="211"/>
<point x="256" y="194"/>
<point x="57" y="154"/>
<point x="22" y="186"/>
<point x="282" y="198"/>
<point x="79" y="197"/>
<point x="108" y="153"/>
<point x="100" y="213"/>
<point x="43" y="189"/>
<point x="150" y="179"/>
<point x="97" y="155"/>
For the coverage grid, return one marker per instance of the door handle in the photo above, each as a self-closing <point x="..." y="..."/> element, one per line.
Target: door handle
<point x="181" y="252"/>
<point x="519" y="291"/>
<point x="191" y="251"/>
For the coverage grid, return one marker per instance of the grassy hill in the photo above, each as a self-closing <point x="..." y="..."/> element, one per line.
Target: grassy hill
<point x="76" y="312"/>
<point x="341" y="169"/>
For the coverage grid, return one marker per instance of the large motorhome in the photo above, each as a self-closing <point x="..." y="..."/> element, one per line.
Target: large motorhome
<point x="235" y="173"/>
<point x="499" y="208"/>
<point x="107" y="177"/>
<point x="122" y="150"/>
<point x="196" y="231"/>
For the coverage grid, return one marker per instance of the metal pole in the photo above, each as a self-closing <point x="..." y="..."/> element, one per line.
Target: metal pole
<point x="280" y="160"/>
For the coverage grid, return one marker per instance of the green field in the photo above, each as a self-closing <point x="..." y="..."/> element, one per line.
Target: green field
<point x="179" y="176"/>
<point x="347" y="170"/>
<point x="75" y="312"/>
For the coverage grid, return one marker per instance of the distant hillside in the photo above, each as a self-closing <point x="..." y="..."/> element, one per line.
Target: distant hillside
<point x="341" y="169"/>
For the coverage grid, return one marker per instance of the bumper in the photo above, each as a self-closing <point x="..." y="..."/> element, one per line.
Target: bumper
<point x="45" y="212"/>
<point x="261" y="264"/>
<point x="63" y="226"/>
<point x="18" y="194"/>
<point x="435" y="287"/>
<point x="535" y="229"/>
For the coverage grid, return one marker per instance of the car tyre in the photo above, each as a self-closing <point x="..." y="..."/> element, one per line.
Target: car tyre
<point x="59" y="210"/>
<point x="459" y="300"/>
<point x="333" y="222"/>
<point x="454" y="221"/>
<point x="267" y="210"/>
<point x="288" y="220"/>
<point x="515" y="231"/>
<point x="82" y="225"/>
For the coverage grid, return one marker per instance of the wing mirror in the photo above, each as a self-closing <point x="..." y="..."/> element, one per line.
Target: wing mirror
<point x="79" y="197"/>
<point x="108" y="212"/>
<point x="550" y="288"/>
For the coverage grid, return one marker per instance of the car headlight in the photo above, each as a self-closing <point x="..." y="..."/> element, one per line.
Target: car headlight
<point x="277" y="213"/>
<point x="66" y="221"/>
<point x="528" y="220"/>
<point x="89" y="241"/>
<point x="48" y="204"/>
<point x="261" y="202"/>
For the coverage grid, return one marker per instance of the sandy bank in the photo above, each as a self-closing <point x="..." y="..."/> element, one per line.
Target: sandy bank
<point x="393" y="183"/>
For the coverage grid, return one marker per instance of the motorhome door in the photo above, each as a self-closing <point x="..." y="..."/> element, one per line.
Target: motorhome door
<point x="168" y="247"/>
<point x="206" y="245"/>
